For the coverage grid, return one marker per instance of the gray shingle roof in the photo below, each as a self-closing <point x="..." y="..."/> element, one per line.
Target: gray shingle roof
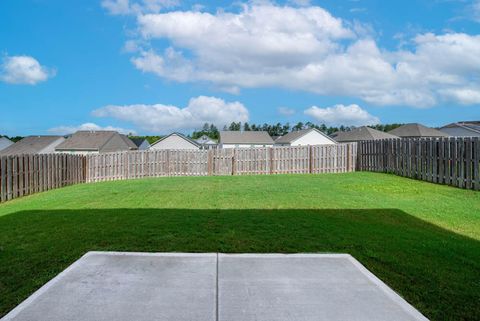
<point x="416" y="130"/>
<point x="361" y="133"/>
<point x="248" y="137"/>
<point x="138" y="141"/>
<point x="293" y="136"/>
<point x="31" y="145"/>
<point x="5" y="142"/>
<point x="87" y="140"/>
<point x="204" y="139"/>
<point x="470" y="125"/>
<point x="129" y="142"/>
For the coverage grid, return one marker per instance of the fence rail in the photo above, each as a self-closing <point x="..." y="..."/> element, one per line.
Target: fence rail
<point x="239" y="161"/>
<point x="22" y="175"/>
<point x="450" y="161"/>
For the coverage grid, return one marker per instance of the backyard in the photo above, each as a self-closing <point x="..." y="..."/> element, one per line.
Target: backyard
<point x="422" y="239"/>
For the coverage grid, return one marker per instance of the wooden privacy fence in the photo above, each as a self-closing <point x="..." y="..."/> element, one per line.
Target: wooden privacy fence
<point x="27" y="174"/>
<point x="451" y="161"/>
<point x="239" y="161"/>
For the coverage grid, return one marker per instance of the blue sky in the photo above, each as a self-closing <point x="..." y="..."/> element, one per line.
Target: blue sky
<point x="155" y="66"/>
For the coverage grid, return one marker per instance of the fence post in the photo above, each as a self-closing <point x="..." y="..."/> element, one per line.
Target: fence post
<point x="210" y="162"/>
<point x="234" y="154"/>
<point x="310" y="159"/>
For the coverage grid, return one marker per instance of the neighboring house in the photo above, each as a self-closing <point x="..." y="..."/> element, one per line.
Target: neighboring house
<point x="304" y="137"/>
<point x="175" y="141"/>
<point x="5" y="142"/>
<point x="206" y="142"/>
<point x="233" y="139"/>
<point x="34" y="145"/>
<point x="416" y="131"/>
<point x="94" y="142"/>
<point x="141" y="143"/>
<point x="360" y="134"/>
<point x="462" y="129"/>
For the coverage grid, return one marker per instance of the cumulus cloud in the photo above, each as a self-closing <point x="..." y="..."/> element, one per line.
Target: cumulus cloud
<point x="163" y="118"/>
<point x="351" y="115"/>
<point x="285" y="111"/>
<point x="23" y="70"/>
<point x="64" y="130"/>
<point x="306" y="48"/>
<point x="125" y="7"/>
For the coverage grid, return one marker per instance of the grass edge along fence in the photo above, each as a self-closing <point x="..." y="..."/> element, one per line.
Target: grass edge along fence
<point x="450" y="161"/>
<point x="22" y="175"/>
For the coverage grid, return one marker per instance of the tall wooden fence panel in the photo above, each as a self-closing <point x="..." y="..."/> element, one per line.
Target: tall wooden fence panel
<point x="291" y="160"/>
<point x="239" y="161"/>
<point x="22" y="175"/>
<point x="450" y="161"/>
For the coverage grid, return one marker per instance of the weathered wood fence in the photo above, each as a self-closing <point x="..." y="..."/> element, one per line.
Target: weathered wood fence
<point x="239" y="161"/>
<point x="27" y="174"/>
<point x="450" y="161"/>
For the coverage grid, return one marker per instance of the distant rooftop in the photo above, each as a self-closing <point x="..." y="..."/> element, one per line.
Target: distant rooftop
<point x="417" y="130"/>
<point x="30" y="145"/>
<point x="360" y="134"/>
<point x="87" y="140"/>
<point x="245" y="137"/>
<point x="296" y="134"/>
<point x="470" y="125"/>
<point x="138" y="141"/>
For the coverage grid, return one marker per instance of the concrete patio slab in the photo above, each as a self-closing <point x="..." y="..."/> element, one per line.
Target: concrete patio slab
<point x="304" y="287"/>
<point x="108" y="286"/>
<point x="176" y="286"/>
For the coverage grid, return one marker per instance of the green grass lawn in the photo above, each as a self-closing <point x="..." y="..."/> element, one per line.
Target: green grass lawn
<point x="423" y="240"/>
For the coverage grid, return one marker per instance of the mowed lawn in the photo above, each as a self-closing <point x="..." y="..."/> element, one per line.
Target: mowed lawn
<point x="421" y="239"/>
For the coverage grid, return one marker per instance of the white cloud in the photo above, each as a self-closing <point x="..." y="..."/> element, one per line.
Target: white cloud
<point x="64" y="130"/>
<point x="351" y="115"/>
<point x="464" y="96"/>
<point x="306" y="48"/>
<point x="164" y="118"/>
<point x="285" y="111"/>
<point x="125" y="7"/>
<point x="23" y="70"/>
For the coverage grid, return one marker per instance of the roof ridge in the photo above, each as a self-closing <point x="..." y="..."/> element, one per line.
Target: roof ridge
<point x="109" y="139"/>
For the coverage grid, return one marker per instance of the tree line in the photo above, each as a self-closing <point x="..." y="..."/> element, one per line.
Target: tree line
<point x="280" y="129"/>
<point x="277" y="129"/>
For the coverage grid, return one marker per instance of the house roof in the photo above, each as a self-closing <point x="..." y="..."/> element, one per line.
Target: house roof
<point x="246" y="137"/>
<point x="87" y="140"/>
<point x="361" y="133"/>
<point x="138" y="141"/>
<point x="294" y="135"/>
<point x="30" y="145"/>
<point x="417" y="130"/>
<point x="204" y="139"/>
<point x="473" y="126"/>
<point x="179" y="135"/>
<point x="131" y="145"/>
<point x="5" y="142"/>
<point x="275" y="137"/>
